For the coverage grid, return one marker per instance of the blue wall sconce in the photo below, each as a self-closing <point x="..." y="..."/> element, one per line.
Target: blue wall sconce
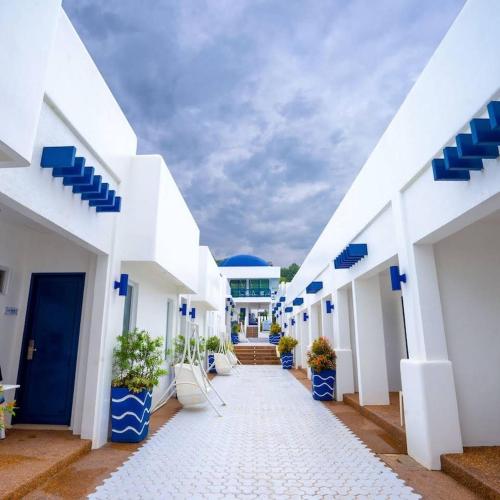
<point x="396" y="278"/>
<point x="183" y="309"/>
<point x="298" y="301"/>
<point x="351" y="255"/>
<point x="122" y="285"/>
<point x="72" y="169"/>
<point x="314" y="287"/>
<point x="192" y="313"/>
<point x="289" y="309"/>
<point x="329" y="307"/>
<point x="293" y="322"/>
<point x="481" y="144"/>
<point x="305" y="316"/>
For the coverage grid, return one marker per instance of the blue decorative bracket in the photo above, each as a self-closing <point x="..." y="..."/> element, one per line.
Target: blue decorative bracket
<point x="183" y="309"/>
<point x="305" y="316"/>
<point x="298" y="301"/>
<point x="314" y="287"/>
<point x="289" y="309"/>
<point x="293" y="321"/>
<point x="192" y="313"/>
<point x="72" y="169"/>
<point x="285" y="325"/>
<point x="122" y="285"/>
<point x="396" y="278"/>
<point x="282" y="299"/>
<point x="278" y="304"/>
<point x="329" y="307"/>
<point x="351" y="255"/>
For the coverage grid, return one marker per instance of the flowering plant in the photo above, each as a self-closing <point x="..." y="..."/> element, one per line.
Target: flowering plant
<point x="286" y="345"/>
<point x="5" y="407"/>
<point x="321" y="356"/>
<point x="275" y="329"/>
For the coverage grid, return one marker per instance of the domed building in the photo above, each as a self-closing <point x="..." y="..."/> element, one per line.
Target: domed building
<point x="252" y="283"/>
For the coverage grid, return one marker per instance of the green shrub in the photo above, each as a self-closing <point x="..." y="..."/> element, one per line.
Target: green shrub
<point x="275" y="328"/>
<point x="321" y="356"/>
<point x="138" y="361"/>
<point x="286" y="345"/>
<point x="213" y="344"/>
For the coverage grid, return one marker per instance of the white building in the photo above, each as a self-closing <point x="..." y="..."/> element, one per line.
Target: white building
<point x="253" y="283"/>
<point x="61" y="252"/>
<point x="444" y="352"/>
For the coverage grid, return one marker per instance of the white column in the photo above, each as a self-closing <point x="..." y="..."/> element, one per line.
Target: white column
<point x="430" y="403"/>
<point x="370" y="344"/>
<point x="342" y="344"/>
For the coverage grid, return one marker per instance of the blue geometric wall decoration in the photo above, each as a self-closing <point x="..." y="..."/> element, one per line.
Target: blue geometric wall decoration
<point x="396" y="278"/>
<point x="352" y="254"/>
<point x="72" y="169"/>
<point x="305" y="316"/>
<point x="467" y="149"/>
<point x="282" y="299"/>
<point x="452" y="161"/>
<point x="285" y="325"/>
<point x="441" y="173"/>
<point x="293" y="322"/>
<point x="183" y="309"/>
<point x="314" y="287"/>
<point x="298" y="301"/>
<point x="494" y="114"/>
<point x="289" y="309"/>
<point x="329" y="307"/>
<point x="192" y="313"/>
<point x="278" y="304"/>
<point x="122" y="285"/>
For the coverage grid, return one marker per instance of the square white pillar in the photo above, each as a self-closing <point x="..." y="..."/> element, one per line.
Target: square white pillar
<point x="370" y="343"/>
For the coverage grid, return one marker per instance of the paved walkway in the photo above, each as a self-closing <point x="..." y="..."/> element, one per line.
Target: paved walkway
<point x="274" y="441"/>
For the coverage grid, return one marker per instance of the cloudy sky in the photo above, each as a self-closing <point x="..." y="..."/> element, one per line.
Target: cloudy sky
<point x="264" y="110"/>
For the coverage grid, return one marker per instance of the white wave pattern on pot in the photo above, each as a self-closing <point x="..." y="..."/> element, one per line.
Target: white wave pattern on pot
<point x="270" y="419"/>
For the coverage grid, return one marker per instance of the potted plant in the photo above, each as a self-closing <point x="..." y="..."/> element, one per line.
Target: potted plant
<point x="235" y="330"/>
<point x="286" y="346"/>
<point x="275" y="333"/>
<point x="321" y="359"/>
<point x="5" y="408"/>
<point x="138" y="361"/>
<point x="213" y="345"/>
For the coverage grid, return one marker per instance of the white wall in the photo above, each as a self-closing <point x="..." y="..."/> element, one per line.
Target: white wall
<point x="468" y="265"/>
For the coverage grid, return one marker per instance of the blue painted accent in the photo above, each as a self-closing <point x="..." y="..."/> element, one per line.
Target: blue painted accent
<point x="467" y="149"/>
<point x="352" y="254"/>
<point x="59" y="156"/>
<point x="227" y="308"/>
<point x="293" y="322"/>
<point x="84" y="180"/>
<point x="129" y="415"/>
<point x="287" y="360"/>
<point x="244" y="261"/>
<point x="305" y="316"/>
<point x="116" y="207"/>
<point x="122" y="285"/>
<point x="323" y="385"/>
<point x="298" y="301"/>
<point x="95" y="187"/>
<point x="482" y="133"/>
<point x="494" y="113"/>
<point x="109" y="201"/>
<point x="289" y="309"/>
<point x="442" y="174"/>
<point x="235" y="338"/>
<point x="101" y="195"/>
<point x="275" y="338"/>
<point x="278" y="304"/>
<point x="53" y="323"/>
<point x="77" y="170"/>
<point x="183" y="309"/>
<point x="285" y="325"/>
<point x="329" y="307"/>
<point x="452" y="161"/>
<point x="314" y="287"/>
<point x="211" y="364"/>
<point x="396" y="278"/>
<point x="282" y="299"/>
<point x="192" y="313"/>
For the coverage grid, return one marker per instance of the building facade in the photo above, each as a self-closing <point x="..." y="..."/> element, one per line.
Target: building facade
<point x="406" y="270"/>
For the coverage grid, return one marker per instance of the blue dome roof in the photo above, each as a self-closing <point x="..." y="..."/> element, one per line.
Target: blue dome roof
<point x="244" y="261"/>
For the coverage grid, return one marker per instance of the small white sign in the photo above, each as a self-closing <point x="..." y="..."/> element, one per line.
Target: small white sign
<point x="11" y="311"/>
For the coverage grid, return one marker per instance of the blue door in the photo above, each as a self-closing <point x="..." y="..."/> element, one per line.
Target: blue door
<point x="50" y="345"/>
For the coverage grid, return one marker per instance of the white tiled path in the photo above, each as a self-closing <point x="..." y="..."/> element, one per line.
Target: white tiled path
<point x="274" y="441"/>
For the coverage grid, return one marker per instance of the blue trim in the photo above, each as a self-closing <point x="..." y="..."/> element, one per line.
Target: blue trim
<point x="289" y="309"/>
<point x="282" y="299"/>
<point x="77" y="169"/>
<point x="183" y="309"/>
<point x="122" y="285"/>
<point x="482" y="134"/>
<point x="192" y="313"/>
<point x="244" y="261"/>
<point x="95" y="187"/>
<point x="101" y="195"/>
<point x="305" y="316"/>
<point x="82" y="180"/>
<point x="116" y="207"/>
<point x="293" y="322"/>
<point x="494" y="114"/>
<point x="441" y="173"/>
<point x="106" y="202"/>
<point x="467" y="149"/>
<point x="329" y="307"/>
<point x="396" y="278"/>
<point x="452" y="161"/>
<point x="58" y="156"/>
<point x="298" y="301"/>
<point x="351" y="255"/>
<point x="314" y="287"/>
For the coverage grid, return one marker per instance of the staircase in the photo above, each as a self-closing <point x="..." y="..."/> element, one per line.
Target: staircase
<point x="257" y="354"/>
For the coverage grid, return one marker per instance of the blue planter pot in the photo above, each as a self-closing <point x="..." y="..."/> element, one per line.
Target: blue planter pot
<point x="275" y="339"/>
<point x="287" y="360"/>
<point x="211" y="362"/>
<point x="129" y="415"/>
<point x="235" y="338"/>
<point x="323" y="385"/>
